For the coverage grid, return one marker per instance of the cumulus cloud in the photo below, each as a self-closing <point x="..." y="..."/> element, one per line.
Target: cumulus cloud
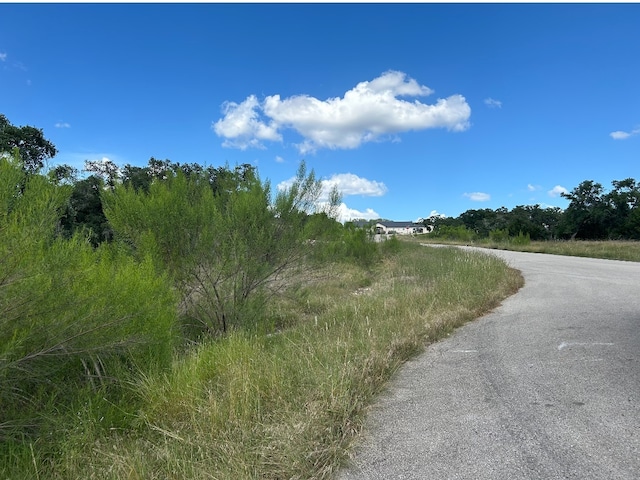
<point x="279" y="159"/>
<point x="436" y="214"/>
<point x="241" y="126"/>
<point x="350" y="184"/>
<point x="62" y="125"/>
<point x="557" y="191"/>
<point x="620" y="135"/>
<point x="371" y="111"/>
<point x="345" y="214"/>
<point x="492" y="103"/>
<point x="478" y="196"/>
<point x="347" y="184"/>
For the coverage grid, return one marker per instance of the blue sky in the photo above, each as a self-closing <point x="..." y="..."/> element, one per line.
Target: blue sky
<point x="409" y="109"/>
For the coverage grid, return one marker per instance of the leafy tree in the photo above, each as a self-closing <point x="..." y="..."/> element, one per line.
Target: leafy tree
<point x="483" y="221"/>
<point x="624" y="202"/>
<point x="138" y="178"/>
<point x="63" y="174"/>
<point x="34" y="148"/>
<point x="84" y="212"/>
<point x="105" y="169"/>
<point x="587" y="215"/>
<point x="538" y="223"/>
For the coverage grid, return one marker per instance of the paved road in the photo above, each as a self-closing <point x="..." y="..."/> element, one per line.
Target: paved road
<point x="545" y="387"/>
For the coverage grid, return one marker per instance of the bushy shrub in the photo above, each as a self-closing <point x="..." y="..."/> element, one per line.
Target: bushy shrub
<point x="224" y="247"/>
<point x="360" y="247"/>
<point x="521" y="239"/>
<point x="391" y="246"/>
<point x="70" y="315"/>
<point x="499" y="235"/>
<point x="459" y="233"/>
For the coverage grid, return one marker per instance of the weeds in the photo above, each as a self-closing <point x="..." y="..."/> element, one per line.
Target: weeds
<point x="290" y="403"/>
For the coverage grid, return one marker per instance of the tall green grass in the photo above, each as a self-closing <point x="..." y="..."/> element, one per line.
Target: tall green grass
<point x="289" y="403"/>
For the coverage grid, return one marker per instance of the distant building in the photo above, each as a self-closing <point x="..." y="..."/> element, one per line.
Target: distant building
<point x="402" y="228"/>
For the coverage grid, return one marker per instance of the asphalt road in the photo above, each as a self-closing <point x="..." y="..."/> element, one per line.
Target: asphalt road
<point x="547" y="386"/>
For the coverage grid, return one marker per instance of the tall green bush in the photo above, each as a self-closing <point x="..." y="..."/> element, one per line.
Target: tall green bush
<point x="224" y="241"/>
<point x="70" y="316"/>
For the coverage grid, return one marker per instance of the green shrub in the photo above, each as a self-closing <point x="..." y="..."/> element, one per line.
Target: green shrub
<point x="391" y="246"/>
<point x="521" y="239"/>
<point x="224" y="248"/>
<point x="70" y="316"/>
<point x="499" y="235"/>
<point x="459" y="233"/>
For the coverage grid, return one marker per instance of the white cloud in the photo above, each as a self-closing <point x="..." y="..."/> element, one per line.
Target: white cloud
<point x="345" y="214"/>
<point x="557" y="190"/>
<point x="371" y="111"/>
<point x="279" y="159"/>
<point x="492" y="103"/>
<point x="620" y="135"/>
<point x="3" y="57"/>
<point x="533" y="188"/>
<point x="478" y="196"/>
<point x="435" y="214"/>
<point x="62" y="125"/>
<point x="241" y="126"/>
<point x="348" y="184"/>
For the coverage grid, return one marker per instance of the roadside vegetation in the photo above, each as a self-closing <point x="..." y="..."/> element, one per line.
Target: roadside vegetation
<point x="596" y="223"/>
<point x="181" y="321"/>
<point x="628" y="250"/>
<point x="286" y="403"/>
<point x="185" y="321"/>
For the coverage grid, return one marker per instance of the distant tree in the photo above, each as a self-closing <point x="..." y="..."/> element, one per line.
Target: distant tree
<point x="624" y="202"/>
<point x="483" y="221"/>
<point x="138" y="178"/>
<point x="84" y="211"/>
<point x="106" y="169"/>
<point x="34" y="148"/>
<point x="538" y="223"/>
<point x="587" y="215"/>
<point x="63" y="174"/>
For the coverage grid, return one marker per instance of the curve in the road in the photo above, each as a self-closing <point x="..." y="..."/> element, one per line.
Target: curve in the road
<point x="547" y="386"/>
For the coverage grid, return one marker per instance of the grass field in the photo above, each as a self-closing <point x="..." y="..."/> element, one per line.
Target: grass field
<point x="282" y="405"/>
<point x="609" y="249"/>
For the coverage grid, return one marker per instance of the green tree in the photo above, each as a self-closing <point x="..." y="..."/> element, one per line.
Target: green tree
<point x="84" y="212"/>
<point x="587" y="215"/>
<point x="34" y="148"/>
<point x="624" y="202"/>
<point x="139" y="178"/>
<point x="484" y="220"/>
<point x="105" y="169"/>
<point x="538" y="223"/>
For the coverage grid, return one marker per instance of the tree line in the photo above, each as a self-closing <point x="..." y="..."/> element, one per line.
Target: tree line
<point x="593" y="214"/>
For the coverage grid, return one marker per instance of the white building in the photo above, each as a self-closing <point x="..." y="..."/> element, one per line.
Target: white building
<point x="402" y="228"/>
